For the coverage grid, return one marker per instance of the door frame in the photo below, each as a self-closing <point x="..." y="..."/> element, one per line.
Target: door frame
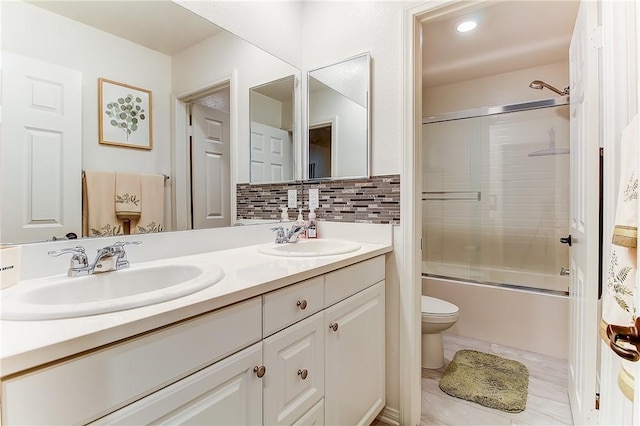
<point x="323" y="122"/>
<point x="619" y="103"/>
<point x="181" y="160"/>
<point x="410" y="291"/>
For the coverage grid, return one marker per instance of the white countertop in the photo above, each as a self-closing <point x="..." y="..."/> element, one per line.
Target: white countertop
<point x="248" y="273"/>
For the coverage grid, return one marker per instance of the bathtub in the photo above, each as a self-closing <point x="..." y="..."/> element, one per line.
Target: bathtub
<point x="524" y="319"/>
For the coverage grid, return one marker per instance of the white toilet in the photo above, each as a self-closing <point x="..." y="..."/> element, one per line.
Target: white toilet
<point x="437" y="316"/>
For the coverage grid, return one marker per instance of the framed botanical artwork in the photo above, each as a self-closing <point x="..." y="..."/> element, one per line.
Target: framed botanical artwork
<point x="124" y="115"/>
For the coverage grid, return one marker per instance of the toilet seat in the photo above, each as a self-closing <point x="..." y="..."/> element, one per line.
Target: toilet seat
<point x="434" y="307"/>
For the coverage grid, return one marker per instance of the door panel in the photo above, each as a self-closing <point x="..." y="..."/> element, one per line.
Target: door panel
<point x="584" y="216"/>
<point x="210" y="168"/>
<point x="271" y="154"/>
<point x="41" y="150"/>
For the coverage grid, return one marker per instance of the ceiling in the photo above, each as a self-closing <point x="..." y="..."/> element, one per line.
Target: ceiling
<point x="511" y="35"/>
<point x="166" y="27"/>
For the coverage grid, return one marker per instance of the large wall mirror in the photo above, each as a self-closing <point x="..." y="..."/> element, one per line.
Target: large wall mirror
<point x="338" y="118"/>
<point x="272" y="131"/>
<point x="186" y="62"/>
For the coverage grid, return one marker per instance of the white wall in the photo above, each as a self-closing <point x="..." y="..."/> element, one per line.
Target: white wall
<point x="67" y="43"/>
<point x="266" y="110"/>
<point x="200" y="65"/>
<point x="349" y="148"/>
<point x="274" y="26"/>
<point x="332" y="32"/>
<point x="500" y="89"/>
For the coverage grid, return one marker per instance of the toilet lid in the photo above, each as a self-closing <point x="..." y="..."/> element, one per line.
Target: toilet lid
<point x="433" y="306"/>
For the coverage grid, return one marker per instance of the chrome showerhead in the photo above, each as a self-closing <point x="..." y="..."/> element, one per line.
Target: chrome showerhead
<point x="539" y="84"/>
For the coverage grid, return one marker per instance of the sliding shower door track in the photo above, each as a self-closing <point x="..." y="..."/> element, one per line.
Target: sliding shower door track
<point x="501" y="285"/>
<point x="494" y="110"/>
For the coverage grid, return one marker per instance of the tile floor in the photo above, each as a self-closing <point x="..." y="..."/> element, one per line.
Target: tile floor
<point x="547" y="402"/>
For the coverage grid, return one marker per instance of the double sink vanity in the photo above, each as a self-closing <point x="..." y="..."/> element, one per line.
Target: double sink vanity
<point x="255" y="334"/>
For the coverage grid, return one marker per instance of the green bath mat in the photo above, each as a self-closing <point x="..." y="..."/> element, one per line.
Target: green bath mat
<point x="488" y="380"/>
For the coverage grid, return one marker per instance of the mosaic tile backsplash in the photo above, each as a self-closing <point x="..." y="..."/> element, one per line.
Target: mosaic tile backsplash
<point x="372" y="200"/>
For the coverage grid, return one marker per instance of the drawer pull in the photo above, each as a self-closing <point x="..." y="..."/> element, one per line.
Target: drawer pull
<point x="302" y="304"/>
<point x="260" y="370"/>
<point x="333" y="326"/>
<point x="303" y="373"/>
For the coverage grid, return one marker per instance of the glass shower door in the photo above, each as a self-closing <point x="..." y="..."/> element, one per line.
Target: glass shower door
<point x="495" y="198"/>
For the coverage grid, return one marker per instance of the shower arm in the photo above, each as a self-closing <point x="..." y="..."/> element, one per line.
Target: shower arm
<point x="538" y="84"/>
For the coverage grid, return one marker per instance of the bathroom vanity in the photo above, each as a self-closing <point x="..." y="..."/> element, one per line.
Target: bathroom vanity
<point x="278" y="340"/>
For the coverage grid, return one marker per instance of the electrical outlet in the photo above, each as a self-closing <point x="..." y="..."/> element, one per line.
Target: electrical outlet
<point x="292" y="202"/>
<point x="314" y="198"/>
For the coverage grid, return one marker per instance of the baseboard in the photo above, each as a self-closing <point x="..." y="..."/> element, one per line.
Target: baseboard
<point x="390" y="416"/>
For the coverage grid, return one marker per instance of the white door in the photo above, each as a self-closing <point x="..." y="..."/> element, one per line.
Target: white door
<point x="210" y="168"/>
<point x="271" y="154"/>
<point x="41" y="150"/>
<point x="584" y="220"/>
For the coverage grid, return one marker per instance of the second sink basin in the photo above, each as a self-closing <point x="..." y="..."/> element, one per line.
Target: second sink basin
<point x="310" y="248"/>
<point x="68" y="297"/>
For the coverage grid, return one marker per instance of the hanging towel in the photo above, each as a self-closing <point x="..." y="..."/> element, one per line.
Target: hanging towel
<point x="618" y="301"/>
<point x="98" y="211"/>
<point x="127" y="198"/>
<point x="618" y="304"/>
<point x="152" y="213"/>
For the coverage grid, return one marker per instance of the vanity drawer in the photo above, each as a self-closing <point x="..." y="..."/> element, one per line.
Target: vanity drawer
<point x="344" y="282"/>
<point x="89" y="386"/>
<point x="291" y="304"/>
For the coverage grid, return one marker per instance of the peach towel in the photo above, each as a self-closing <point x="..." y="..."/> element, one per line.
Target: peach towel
<point x="152" y="213"/>
<point x="127" y="198"/>
<point x="98" y="211"/>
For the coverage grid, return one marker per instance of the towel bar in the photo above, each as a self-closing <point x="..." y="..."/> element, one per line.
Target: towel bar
<point x="164" y="175"/>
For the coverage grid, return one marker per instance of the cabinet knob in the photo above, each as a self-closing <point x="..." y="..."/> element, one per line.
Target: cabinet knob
<point x="302" y="304"/>
<point x="260" y="370"/>
<point x="333" y="326"/>
<point x="303" y="373"/>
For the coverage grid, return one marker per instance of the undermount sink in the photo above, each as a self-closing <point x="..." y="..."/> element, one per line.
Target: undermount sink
<point x="310" y="248"/>
<point x="67" y="297"/>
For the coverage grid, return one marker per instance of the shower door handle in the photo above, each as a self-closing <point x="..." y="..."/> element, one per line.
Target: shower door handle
<point x="566" y="240"/>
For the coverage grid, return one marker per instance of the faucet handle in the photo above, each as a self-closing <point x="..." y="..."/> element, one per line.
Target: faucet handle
<point x="79" y="258"/>
<point x="118" y="247"/>
<point x="121" y="244"/>
<point x="280" y="237"/>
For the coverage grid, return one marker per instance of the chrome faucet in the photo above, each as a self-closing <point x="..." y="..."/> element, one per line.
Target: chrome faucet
<point x="110" y="258"/>
<point x="289" y="236"/>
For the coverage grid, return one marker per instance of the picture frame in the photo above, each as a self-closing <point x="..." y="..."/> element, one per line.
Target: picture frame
<point x="125" y="116"/>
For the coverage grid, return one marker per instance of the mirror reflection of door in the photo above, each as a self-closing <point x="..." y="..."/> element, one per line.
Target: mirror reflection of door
<point x="320" y="151"/>
<point x="210" y="161"/>
<point x="271" y="144"/>
<point x="271" y="154"/>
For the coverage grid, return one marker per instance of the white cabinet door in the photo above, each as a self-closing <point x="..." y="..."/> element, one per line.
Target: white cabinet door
<point x="294" y="382"/>
<point x="226" y="393"/>
<point x="354" y="358"/>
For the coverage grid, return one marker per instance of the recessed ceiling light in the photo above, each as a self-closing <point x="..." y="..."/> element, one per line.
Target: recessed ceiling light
<point x="466" y="26"/>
